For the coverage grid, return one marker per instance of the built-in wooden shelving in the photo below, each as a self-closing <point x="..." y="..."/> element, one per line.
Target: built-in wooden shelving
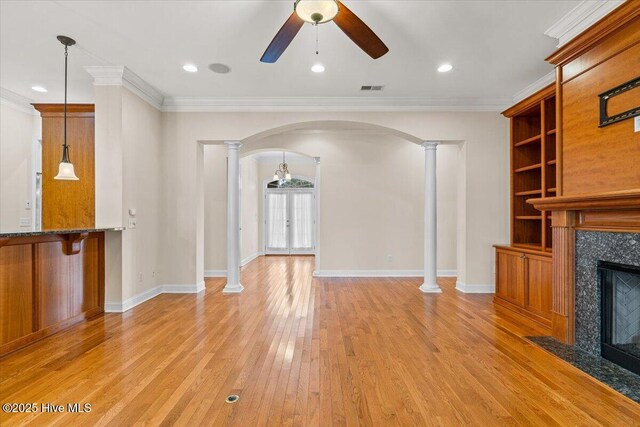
<point x="528" y="168"/>
<point x="533" y="168"/>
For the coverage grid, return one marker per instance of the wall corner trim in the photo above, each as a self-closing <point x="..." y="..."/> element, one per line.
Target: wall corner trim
<point x="475" y="288"/>
<point x="17" y="102"/>
<point x="119" y="75"/>
<point x="578" y="19"/>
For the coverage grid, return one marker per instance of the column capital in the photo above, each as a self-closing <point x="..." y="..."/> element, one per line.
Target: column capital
<point x="233" y="145"/>
<point x="317" y="160"/>
<point x="430" y="145"/>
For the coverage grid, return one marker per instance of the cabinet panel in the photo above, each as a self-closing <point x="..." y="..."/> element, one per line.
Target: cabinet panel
<point x="16" y="292"/>
<point x="538" y="280"/>
<point x="53" y="282"/>
<point x="510" y="276"/>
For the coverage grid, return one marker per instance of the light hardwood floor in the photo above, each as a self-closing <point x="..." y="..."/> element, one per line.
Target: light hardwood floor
<point x="303" y="351"/>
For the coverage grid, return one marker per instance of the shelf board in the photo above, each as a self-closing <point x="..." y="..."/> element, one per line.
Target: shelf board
<point x="551" y="132"/>
<point x="551" y="190"/>
<point x="551" y="162"/>
<point x="529" y="217"/>
<point x="528" y="193"/>
<point x="533" y="246"/>
<point x="528" y="168"/>
<point x="528" y="141"/>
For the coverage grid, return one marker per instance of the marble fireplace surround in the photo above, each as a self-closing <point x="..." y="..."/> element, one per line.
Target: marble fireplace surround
<point x="591" y="247"/>
<point x="586" y="229"/>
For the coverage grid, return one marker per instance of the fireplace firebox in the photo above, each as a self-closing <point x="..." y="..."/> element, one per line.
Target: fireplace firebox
<point x="620" y="314"/>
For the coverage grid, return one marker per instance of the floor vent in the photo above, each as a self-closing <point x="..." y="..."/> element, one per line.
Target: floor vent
<point x="233" y="398"/>
<point x="371" y="88"/>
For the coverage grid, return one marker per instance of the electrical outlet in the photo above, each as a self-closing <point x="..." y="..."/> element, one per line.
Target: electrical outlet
<point x="389" y="258"/>
<point x="153" y="274"/>
<point x="25" y="222"/>
<point x="27" y="204"/>
<point x="132" y="223"/>
<point x="140" y="277"/>
<point x="636" y="122"/>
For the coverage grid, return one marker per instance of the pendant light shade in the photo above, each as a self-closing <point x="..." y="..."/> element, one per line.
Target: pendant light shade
<point x="65" y="169"/>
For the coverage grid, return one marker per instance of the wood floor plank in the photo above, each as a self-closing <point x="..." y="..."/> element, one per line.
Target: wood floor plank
<point x="302" y="351"/>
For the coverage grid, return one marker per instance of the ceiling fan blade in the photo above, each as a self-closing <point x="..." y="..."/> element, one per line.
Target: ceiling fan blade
<point x="282" y="40"/>
<point x="359" y="32"/>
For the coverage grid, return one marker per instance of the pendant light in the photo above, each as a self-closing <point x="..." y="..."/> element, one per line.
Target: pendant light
<point x="65" y="169"/>
<point x="282" y="174"/>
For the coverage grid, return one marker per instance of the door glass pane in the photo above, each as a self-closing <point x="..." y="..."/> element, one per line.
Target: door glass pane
<point x="301" y="220"/>
<point x="277" y="221"/>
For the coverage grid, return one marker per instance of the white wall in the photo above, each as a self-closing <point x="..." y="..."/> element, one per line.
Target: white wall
<point x="129" y="176"/>
<point x="250" y="193"/>
<point x="18" y="129"/>
<point x="485" y="153"/>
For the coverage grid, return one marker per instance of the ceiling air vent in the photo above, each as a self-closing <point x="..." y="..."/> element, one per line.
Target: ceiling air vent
<point x="371" y="88"/>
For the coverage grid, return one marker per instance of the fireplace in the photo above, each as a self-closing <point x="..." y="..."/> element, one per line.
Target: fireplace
<point x="620" y="314"/>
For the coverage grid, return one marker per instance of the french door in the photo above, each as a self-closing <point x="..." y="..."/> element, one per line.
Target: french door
<point x="289" y="221"/>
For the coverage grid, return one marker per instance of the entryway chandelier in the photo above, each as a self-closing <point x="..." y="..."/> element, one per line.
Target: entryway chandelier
<point x="282" y="174"/>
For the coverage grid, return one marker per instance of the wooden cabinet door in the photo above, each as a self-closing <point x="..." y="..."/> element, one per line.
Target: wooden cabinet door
<point x="510" y="276"/>
<point x="538" y="285"/>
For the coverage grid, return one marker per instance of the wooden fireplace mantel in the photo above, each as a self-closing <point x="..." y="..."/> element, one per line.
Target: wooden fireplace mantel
<point x="628" y="199"/>
<point x="615" y="211"/>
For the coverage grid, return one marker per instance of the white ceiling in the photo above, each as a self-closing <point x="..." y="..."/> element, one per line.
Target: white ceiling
<point x="496" y="47"/>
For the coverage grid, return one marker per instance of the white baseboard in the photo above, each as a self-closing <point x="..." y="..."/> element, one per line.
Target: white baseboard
<point x="250" y="258"/>
<point x="215" y="273"/>
<point x="380" y="273"/>
<point x="476" y="289"/>
<point x="128" y="304"/>
<point x="223" y="273"/>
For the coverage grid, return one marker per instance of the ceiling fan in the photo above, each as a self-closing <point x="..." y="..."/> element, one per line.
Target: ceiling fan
<point x="318" y="12"/>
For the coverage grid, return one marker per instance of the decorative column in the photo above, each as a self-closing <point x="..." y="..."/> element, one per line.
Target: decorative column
<point x="563" y="282"/>
<point x="316" y="270"/>
<point x="430" y="284"/>
<point x="233" y="285"/>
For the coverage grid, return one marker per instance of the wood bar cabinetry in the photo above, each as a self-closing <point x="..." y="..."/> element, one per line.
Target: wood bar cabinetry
<point x="48" y="282"/>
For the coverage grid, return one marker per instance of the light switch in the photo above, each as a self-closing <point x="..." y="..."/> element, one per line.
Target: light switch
<point x="132" y="223"/>
<point x="636" y="122"/>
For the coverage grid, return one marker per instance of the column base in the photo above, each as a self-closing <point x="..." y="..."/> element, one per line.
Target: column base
<point x="430" y="289"/>
<point x="232" y="288"/>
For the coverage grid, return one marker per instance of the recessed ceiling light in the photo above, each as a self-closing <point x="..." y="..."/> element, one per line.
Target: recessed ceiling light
<point x="190" y="68"/>
<point x="318" y="68"/>
<point x="219" y="68"/>
<point x="39" y="89"/>
<point x="445" y="68"/>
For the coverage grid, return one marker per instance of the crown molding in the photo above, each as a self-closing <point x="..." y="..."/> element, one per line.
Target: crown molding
<point x="334" y="104"/>
<point x="118" y="75"/>
<point x="17" y="102"/>
<point x="534" y="87"/>
<point x="581" y="17"/>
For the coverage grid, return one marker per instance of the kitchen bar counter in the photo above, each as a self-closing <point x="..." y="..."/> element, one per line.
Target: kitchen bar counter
<point x="49" y="281"/>
<point x="32" y="232"/>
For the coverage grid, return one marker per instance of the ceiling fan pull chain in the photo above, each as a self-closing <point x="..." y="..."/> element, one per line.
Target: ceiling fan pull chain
<point x="317" y="49"/>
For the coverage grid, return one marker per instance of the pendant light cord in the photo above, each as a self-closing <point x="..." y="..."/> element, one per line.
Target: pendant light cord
<point x="317" y="48"/>
<point x="65" y="151"/>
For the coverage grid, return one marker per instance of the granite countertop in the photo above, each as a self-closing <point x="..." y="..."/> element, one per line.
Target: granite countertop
<point x="33" y="232"/>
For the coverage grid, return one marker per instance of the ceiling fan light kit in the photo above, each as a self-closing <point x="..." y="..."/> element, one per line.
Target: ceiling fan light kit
<point x="318" y="12"/>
